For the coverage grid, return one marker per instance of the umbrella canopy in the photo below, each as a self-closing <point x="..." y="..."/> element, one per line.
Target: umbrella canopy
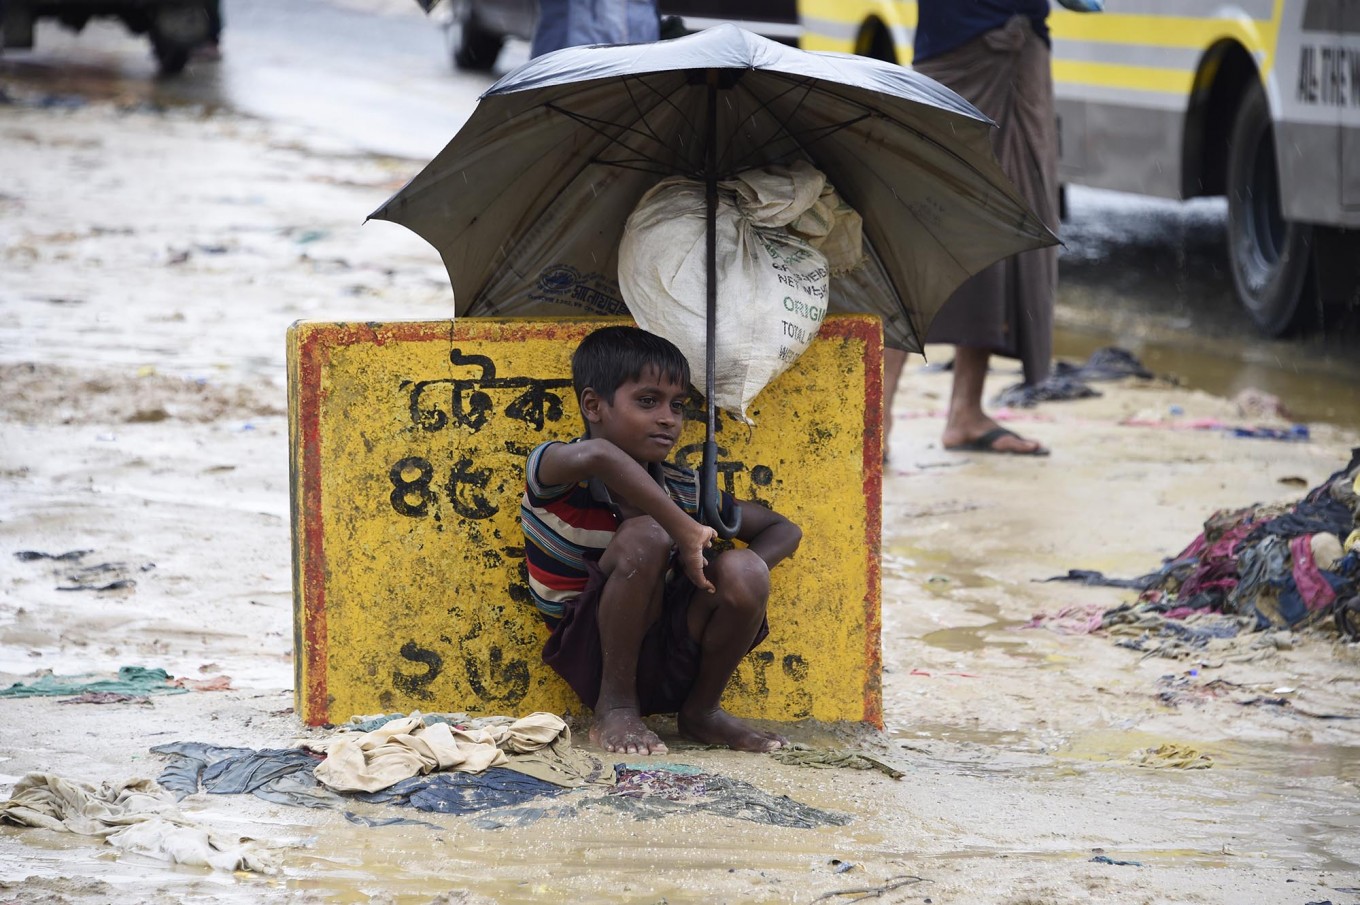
<point x="527" y="203"/>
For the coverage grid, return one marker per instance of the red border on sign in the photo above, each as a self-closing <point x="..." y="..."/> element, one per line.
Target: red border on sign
<point x="872" y="337"/>
<point x="309" y="549"/>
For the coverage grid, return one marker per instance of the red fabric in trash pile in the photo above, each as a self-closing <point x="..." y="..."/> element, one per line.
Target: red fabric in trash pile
<point x="1313" y="588"/>
<point x="1217" y="569"/>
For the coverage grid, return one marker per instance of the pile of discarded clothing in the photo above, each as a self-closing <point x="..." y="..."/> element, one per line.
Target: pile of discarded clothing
<point x="496" y="770"/>
<point x="1282" y="566"/>
<point x="513" y="770"/>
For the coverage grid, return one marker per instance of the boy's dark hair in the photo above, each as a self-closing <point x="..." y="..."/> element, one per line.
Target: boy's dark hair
<point x="612" y="355"/>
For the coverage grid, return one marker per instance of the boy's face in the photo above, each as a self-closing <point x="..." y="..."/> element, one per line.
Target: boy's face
<point x="645" y="417"/>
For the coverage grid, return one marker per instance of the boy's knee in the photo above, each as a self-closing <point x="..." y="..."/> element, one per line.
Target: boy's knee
<point x="741" y="576"/>
<point x="641" y="540"/>
<point x="643" y="532"/>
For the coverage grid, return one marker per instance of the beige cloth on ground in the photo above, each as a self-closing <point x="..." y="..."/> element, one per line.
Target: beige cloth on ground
<point x="407" y="747"/>
<point x="561" y="764"/>
<point x="135" y="815"/>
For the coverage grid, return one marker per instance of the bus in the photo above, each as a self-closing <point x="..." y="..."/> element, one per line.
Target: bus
<point x="1255" y="100"/>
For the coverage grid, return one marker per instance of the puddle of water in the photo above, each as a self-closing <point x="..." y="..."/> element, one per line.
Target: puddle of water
<point x="998" y="633"/>
<point x="1291" y="788"/>
<point x="1162" y="857"/>
<point x="621" y="862"/>
<point x="988" y="738"/>
<point x="939" y="571"/>
<point x="1298" y="791"/>
<point x="1312" y="384"/>
<point x="970" y="639"/>
<point x="1296" y="760"/>
<point x="1152" y="276"/>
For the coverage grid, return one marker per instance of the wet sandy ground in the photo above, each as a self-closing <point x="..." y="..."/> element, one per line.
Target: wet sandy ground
<point x="141" y="417"/>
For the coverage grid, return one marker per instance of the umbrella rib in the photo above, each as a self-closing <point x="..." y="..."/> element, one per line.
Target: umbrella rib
<point x="784" y="132"/>
<point x="827" y="88"/>
<point x="597" y="126"/>
<point x="666" y="99"/>
<point x="642" y="114"/>
<point x="638" y="164"/>
<point x="782" y="122"/>
<point x="802" y="139"/>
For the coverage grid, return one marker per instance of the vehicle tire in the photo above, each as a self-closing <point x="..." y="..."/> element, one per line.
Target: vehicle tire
<point x="171" y="57"/>
<point x="878" y="44"/>
<point x="470" y="45"/>
<point x="1270" y="257"/>
<point x="175" y="30"/>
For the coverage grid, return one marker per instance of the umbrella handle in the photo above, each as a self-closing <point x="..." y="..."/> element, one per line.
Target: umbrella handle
<point x="709" y="498"/>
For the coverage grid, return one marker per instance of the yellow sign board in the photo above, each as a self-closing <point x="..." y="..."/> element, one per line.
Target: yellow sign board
<point x="408" y="442"/>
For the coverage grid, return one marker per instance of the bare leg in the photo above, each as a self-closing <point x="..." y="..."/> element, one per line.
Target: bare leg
<point x="724" y="624"/>
<point x="635" y="562"/>
<point x="966" y="420"/>
<point x="893" y="362"/>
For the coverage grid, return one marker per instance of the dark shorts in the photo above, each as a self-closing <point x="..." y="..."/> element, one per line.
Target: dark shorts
<point x="668" y="661"/>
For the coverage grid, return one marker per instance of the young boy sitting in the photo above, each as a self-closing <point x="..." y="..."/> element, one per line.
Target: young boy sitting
<point x="616" y="554"/>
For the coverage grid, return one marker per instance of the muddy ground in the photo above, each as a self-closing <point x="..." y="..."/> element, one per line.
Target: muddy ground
<point x="151" y="263"/>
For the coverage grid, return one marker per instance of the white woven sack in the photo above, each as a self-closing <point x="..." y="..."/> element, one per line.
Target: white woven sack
<point x="773" y="226"/>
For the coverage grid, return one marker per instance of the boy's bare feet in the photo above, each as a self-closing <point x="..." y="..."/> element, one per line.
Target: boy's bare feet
<point x="623" y="732"/>
<point x="718" y="727"/>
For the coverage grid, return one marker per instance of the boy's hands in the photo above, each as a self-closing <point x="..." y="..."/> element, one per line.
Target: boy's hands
<point x="689" y="551"/>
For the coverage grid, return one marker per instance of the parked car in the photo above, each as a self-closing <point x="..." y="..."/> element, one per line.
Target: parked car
<point x="477" y="29"/>
<point x="175" y="27"/>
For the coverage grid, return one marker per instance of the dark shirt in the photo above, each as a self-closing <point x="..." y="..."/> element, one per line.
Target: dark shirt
<point x="943" y="25"/>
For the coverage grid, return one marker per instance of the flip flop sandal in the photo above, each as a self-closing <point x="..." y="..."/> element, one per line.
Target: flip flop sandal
<point x="987" y="444"/>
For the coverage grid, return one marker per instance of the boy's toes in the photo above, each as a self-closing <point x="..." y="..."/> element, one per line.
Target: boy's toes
<point x="623" y="732"/>
<point x="718" y="727"/>
<point x="774" y="741"/>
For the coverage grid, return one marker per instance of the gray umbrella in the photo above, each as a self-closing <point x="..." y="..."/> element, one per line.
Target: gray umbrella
<point x="527" y="203"/>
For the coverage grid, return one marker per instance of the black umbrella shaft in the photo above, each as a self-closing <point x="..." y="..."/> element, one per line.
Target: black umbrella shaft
<point x="711" y="239"/>
<point x="708" y="477"/>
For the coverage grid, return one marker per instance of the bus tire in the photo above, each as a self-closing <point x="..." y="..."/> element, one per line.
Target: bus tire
<point x="171" y="57"/>
<point x="471" y="47"/>
<point x="1269" y="256"/>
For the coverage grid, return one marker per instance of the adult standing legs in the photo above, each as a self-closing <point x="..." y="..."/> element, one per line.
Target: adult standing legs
<point x="1007" y="308"/>
<point x="966" y="421"/>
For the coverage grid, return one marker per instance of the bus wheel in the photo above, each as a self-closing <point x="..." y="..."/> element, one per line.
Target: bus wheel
<point x="471" y="46"/>
<point x="1270" y="256"/>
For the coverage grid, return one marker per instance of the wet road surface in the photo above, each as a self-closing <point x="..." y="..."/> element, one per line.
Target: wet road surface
<point x="1041" y="741"/>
